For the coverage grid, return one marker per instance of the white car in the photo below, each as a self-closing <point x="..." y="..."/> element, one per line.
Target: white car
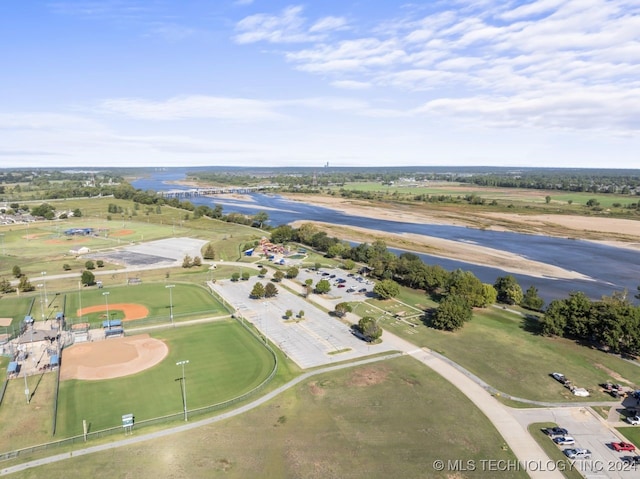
<point x="577" y="453"/>
<point x="634" y="420"/>
<point x="564" y="441"/>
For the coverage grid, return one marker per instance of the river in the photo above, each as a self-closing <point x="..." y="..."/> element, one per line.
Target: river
<point x="610" y="269"/>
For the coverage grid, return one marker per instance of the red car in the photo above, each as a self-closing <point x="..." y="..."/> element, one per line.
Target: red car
<point x="623" y="446"/>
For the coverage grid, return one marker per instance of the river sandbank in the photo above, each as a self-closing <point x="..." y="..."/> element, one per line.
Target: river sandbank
<point x="615" y="232"/>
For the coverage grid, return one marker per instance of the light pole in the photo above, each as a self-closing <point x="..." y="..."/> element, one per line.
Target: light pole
<point x="170" y="287"/>
<point x="80" y="298"/>
<point x="41" y="300"/>
<point x="26" y="386"/>
<point x="106" y="301"/>
<point x="44" y="281"/>
<point x="184" y="387"/>
<point x="265" y="322"/>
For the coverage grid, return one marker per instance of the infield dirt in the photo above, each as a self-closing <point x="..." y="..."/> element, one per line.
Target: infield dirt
<point x="131" y="311"/>
<point x="112" y="358"/>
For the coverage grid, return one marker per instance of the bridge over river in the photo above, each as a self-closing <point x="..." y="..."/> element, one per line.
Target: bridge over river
<point x="188" y="193"/>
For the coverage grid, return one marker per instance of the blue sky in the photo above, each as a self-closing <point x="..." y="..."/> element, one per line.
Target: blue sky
<point x="351" y="83"/>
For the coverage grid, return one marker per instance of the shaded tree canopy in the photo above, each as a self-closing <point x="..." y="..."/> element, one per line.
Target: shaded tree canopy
<point x="451" y="314"/>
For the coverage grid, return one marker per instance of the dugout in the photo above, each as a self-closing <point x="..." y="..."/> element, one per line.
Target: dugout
<point x="54" y="361"/>
<point x="113" y="332"/>
<point x="112" y="323"/>
<point x="13" y="368"/>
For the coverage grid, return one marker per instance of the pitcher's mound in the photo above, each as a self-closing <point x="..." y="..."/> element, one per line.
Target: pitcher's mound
<point x="112" y="358"/>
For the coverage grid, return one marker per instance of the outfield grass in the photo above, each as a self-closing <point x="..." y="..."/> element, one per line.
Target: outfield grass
<point x="497" y="346"/>
<point x="17" y="307"/>
<point x="190" y="301"/>
<point x="27" y="424"/>
<point x="389" y="419"/>
<point x="224" y="362"/>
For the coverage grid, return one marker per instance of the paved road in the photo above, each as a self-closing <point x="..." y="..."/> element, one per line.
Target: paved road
<point x="511" y="423"/>
<point x="190" y="425"/>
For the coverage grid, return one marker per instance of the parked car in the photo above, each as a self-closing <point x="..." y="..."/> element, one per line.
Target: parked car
<point x="555" y="431"/>
<point x="351" y="290"/>
<point x="634" y="420"/>
<point x="356" y="332"/>
<point x="633" y="460"/>
<point x="341" y="285"/>
<point x="623" y="446"/>
<point x="564" y="440"/>
<point x="362" y="290"/>
<point x="559" y="377"/>
<point x="577" y="453"/>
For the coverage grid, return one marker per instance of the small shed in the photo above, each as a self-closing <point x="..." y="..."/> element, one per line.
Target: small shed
<point x="54" y="360"/>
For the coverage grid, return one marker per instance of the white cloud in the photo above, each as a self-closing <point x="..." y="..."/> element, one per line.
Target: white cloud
<point x="505" y="62"/>
<point x="329" y="23"/>
<point x="348" y="55"/>
<point x="188" y="107"/>
<point x="534" y="8"/>
<point x="596" y="108"/>
<point x="288" y="27"/>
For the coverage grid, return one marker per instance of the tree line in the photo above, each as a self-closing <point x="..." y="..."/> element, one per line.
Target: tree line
<point x="458" y="291"/>
<point x="611" y="322"/>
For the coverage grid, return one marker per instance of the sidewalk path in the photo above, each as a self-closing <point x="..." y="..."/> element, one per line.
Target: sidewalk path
<point x="522" y="444"/>
<point x="191" y="425"/>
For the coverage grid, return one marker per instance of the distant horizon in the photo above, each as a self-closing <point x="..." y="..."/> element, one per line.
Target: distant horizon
<point x="87" y="168"/>
<point x="237" y="82"/>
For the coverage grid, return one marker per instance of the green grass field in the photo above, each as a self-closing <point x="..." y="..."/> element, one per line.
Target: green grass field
<point x="389" y="419"/>
<point x="27" y="424"/>
<point x="190" y="301"/>
<point x="497" y="346"/>
<point x="17" y="307"/>
<point x="43" y="246"/>
<point x="224" y="362"/>
<point x="631" y="433"/>
<point x="516" y="195"/>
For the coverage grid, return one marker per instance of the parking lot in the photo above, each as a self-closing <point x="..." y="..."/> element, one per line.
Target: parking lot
<point x="589" y="432"/>
<point x="152" y="253"/>
<point x="345" y="286"/>
<point x="317" y="339"/>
